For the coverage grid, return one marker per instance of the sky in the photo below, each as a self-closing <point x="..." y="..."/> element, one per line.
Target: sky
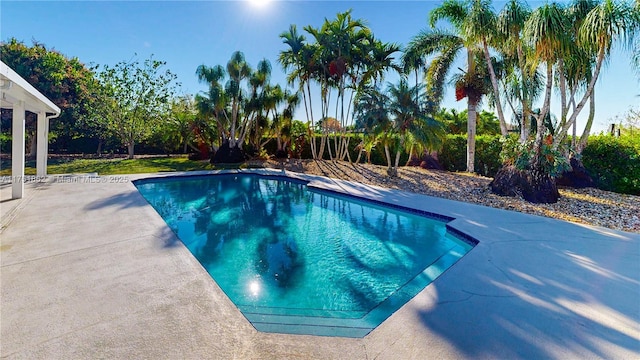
<point x="187" y="34"/>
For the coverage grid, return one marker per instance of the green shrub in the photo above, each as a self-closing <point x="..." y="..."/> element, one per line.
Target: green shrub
<point x="453" y="155"/>
<point x="5" y="143"/>
<point x="551" y="161"/>
<point x="614" y="163"/>
<point x="487" y="161"/>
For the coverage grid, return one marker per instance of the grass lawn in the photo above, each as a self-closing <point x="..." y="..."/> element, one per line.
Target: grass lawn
<point x="112" y="166"/>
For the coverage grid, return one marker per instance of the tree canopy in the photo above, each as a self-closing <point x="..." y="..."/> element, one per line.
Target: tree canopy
<point x="67" y="82"/>
<point x="140" y="98"/>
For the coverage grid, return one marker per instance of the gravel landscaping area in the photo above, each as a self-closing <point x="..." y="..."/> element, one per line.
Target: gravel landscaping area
<point x="587" y="206"/>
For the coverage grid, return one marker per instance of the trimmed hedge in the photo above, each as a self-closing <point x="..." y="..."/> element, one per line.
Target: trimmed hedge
<point x="614" y="163"/>
<point x="453" y="155"/>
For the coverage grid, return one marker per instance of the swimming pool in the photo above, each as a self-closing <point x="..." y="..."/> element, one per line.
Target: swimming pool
<point x="300" y="260"/>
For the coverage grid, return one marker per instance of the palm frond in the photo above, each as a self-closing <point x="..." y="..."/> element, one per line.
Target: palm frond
<point x="454" y="11"/>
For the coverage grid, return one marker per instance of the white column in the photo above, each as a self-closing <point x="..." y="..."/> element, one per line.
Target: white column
<point x="46" y="143"/>
<point x="17" y="150"/>
<point x="41" y="153"/>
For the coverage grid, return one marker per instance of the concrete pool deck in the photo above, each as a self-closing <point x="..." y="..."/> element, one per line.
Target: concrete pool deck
<point x="90" y="270"/>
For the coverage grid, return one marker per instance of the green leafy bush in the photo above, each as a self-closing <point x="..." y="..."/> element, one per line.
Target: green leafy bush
<point x="5" y="143"/>
<point x="551" y="162"/>
<point x="614" y="163"/>
<point x="487" y="162"/>
<point x="453" y="155"/>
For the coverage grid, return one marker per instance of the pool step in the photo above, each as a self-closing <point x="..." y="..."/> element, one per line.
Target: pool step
<point x="308" y="325"/>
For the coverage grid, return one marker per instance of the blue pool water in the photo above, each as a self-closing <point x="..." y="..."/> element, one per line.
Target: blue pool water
<point x="300" y="260"/>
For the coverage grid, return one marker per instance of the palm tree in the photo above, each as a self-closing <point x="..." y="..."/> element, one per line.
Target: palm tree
<point x="238" y="70"/>
<point x="575" y="72"/>
<point x="180" y="122"/>
<point x="410" y="110"/>
<point x="241" y="106"/>
<point x="546" y="30"/>
<point x="636" y="46"/>
<point x="480" y="27"/>
<point x="413" y="61"/>
<point x="258" y="104"/>
<point x="605" y="24"/>
<point x="521" y="84"/>
<point x="399" y="120"/>
<point x="299" y="63"/>
<point x="474" y="23"/>
<point x="372" y="118"/>
<point x="471" y="83"/>
<point x="378" y="60"/>
<point x="342" y="45"/>
<point x="214" y="104"/>
<point x="572" y="43"/>
<point x="282" y="117"/>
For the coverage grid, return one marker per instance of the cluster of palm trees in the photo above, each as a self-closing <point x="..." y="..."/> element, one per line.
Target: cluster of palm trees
<point x="517" y="56"/>
<point x="244" y="106"/>
<point x="514" y="58"/>
<point x="343" y="62"/>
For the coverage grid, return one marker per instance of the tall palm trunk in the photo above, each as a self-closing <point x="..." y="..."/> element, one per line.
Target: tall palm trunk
<point x="537" y="145"/>
<point x="397" y="162"/>
<point x="587" y="127"/>
<point x="387" y="154"/>
<point x="562" y="84"/>
<point x="494" y="83"/>
<point x="472" y="104"/>
<point x="563" y="131"/>
<point x="526" y="109"/>
<point x="574" y="140"/>
<point x="234" y="117"/>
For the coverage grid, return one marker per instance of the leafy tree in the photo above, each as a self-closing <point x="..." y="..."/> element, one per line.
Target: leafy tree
<point x="141" y="94"/>
<point x="67" y="82"/>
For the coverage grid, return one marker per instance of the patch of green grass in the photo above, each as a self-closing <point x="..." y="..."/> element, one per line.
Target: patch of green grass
<point x="115" y="166"/>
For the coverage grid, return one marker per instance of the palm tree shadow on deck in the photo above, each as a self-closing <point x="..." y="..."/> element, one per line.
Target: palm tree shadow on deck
<point x="131" y="200"/>
<point x="529" y="299"/>
<point x="122" y="200"/>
